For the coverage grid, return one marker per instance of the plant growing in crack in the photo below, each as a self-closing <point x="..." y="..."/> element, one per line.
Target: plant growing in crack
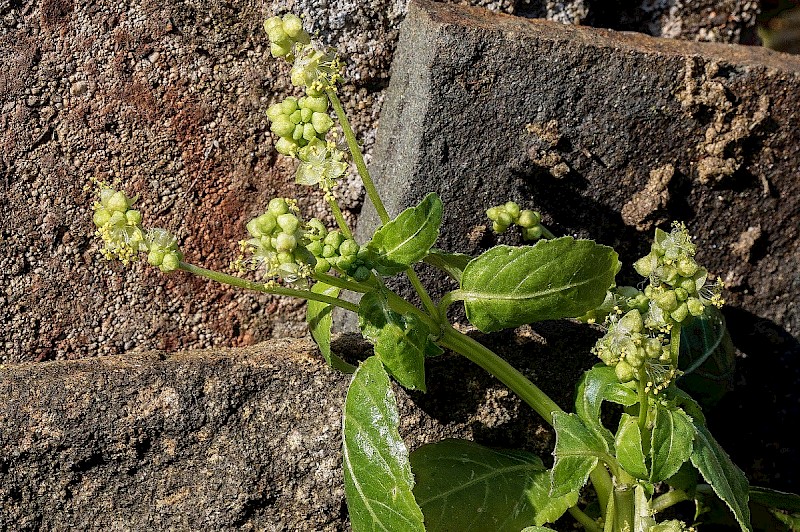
<point x="657" y="451"/>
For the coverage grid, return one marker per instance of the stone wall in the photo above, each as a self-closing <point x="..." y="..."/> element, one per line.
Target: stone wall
<point x="169" y="99"/>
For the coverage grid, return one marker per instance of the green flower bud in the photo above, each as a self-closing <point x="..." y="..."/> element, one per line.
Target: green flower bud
<point x="528" y="219"/>
<point x="292" y="25"/>
<point x="101" y="217"/>
<point x="512" y="209"/>
<point x="171" y="262"/>
<point x="274" y="111"/>
<point x="316" y="230"/>
<point x="288" y="222"/>
<point x="309" y="133"/>
<point x="285" y="257"/>
<point x="532" y="233"/>
<point x="334" y="239"/>
<point x="305" y="114"/>
<point x="322" y="122"/>
<point x="277" y="34"/>
<point x="286" y="146"/>
<point x="631" y="322"/>
<point x="322" y="265"/>
<point x="624" y="371"/>
<point x="345" y="262"/>
<point x="272" y="22"/>
<point x="297" y="134"/>
<point x="133" y="217"/>
<point x="646" y="265"/>
<point x="667" y="300"/>
<point x="653" y="347"/>
<point x="493" y="213"/>
<point x="318" y="104"/>
<point x="348" y="248"/>
<point x="265" y="224"/>
<point x="680" y="313"/>
<point x="497" y="227"/>
<point x="504" y="218"/>
<point x="156" y="257"/>
<point x="280" y="49"/>
<point x="289" y="105"/>
<point x="315" y="247"/>
<point x="681" y="294"/>
<point x="117" y="219"/>
<point x="278" y="206"/>
<point x="695" y="306"/>
<point x="284" y="242"/>
<point x="687" y="266"/>
<point x="636" y="357"/>
<point x="328" y="251"/>
<point x="361" y="274"/>
<point x="296" y="117"/>
<point x="118" y="202"/>
<point x="282" y="126"/>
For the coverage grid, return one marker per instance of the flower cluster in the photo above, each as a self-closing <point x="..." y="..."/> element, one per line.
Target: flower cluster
<point x="504" y="216"/>
<point x="332" y="249"/>
<point x="284" y="34"/>
<point x="638" y="343"/>
<point x="120" y="227"/>
<point x="678" y="287"/>
<point x="299" y="121"/>
<point x="276" y="243"/>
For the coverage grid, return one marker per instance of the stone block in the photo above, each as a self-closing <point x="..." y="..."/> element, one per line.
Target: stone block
<point x="608" y="135"/>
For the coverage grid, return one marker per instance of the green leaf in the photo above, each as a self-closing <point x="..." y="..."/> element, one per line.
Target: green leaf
<point x="727" y="480"/>
<point x="577" y="453"/>
<point x="597" y="385"/>
<point x="465" y="486"/>
<point x="707" y="357"/>
<point x="671" y="441"/>
<point x="406" y="239"/>
<point x="377" y="476"/>
<point x="318" y="316"/>
<point x="561" y="278"/>
<point x="629" y="447"/>
<point x="401" y="342"/>
<point x="451" y="263"/>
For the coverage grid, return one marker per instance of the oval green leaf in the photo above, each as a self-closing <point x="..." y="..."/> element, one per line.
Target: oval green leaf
<point x="629" y="447"/>
<point x="464" y="486"/>
<point x="560" y="278"/>
<point x="406" y="239"/>
<point x="377" y="476"/>
<point x="671" y="441"/>
<point x="577" y="452"/>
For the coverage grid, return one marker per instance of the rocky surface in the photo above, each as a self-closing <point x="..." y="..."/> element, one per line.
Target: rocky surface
<point x="607" y="134"/>
<point x="242" y="439"/>
<point x="169" y="99"/>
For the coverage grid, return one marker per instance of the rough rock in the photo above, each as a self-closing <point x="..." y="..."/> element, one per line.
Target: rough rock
<point x="169" y="99"/>
<point x="573" y="121"/>
<point x="241" y="439"/>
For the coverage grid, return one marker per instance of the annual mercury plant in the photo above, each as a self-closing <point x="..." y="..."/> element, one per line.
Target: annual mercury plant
<point x="654" y="454"/>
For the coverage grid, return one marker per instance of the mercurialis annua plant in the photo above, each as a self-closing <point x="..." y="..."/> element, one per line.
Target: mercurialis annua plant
<point x="656" y="453"/>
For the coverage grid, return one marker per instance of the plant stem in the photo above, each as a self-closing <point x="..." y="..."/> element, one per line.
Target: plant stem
<point x="341" y="283"/>
<point x="624" y="508"/>
<point x="668" y="499"/>
<point x="338" y="216"/>
<point x="587" y="522"/>
<point x="502" y="370"/>
<point x="267" y="289"/>
<point x="644" y="406"/>
<point x="427" y="302"/>
<point x="358" y="159"/>
<point x="546" y="233"/>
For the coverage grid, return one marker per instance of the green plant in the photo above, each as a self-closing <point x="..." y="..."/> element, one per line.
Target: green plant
<point x="659" y="448"/>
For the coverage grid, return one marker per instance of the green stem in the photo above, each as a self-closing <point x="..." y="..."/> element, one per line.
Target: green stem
<point x="267" y="289"/>
<point x="358" y="159"/>
<point x="341" y="283"/>
<point x="339" y="217"/>
<point x="587" y="522"/>
<point x="624" y="508"/>
<point x="668" y="499"/>
<point x="427" y="302"/>
<point x="675" y="344"/>
<point x="546" y="233"/>
<point x="603" y="485"/>
<point x="501" y="370"/>
<point x="644" y="406"/>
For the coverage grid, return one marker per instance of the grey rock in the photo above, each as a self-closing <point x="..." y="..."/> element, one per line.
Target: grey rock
<point x="242" y="439"/>
<point x="571" y="121"/>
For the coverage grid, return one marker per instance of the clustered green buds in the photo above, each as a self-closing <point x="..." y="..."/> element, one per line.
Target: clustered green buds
<point x="120" y="227"/>
<point x="284" y="33"/>
<point x="276" y="242"/>
<point x="679" y="287"/>
<point x="332" y="249"/>
<point x="638" y="341"/>
<point x="504" y="216"/>
<point x="298" y="122"/>
<point x="162" y="250"/>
